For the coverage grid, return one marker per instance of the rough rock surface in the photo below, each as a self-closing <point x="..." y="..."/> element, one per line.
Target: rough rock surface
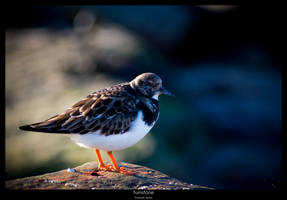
<point x="78" y="178"/>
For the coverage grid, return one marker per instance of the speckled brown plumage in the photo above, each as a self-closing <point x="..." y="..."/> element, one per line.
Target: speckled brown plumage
<point x="110" y="111"/>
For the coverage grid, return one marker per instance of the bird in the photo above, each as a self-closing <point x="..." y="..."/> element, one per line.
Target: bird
<point x="110" y="119"/>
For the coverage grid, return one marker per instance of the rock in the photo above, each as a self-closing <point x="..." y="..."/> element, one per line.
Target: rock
<point x="144" y="179"/>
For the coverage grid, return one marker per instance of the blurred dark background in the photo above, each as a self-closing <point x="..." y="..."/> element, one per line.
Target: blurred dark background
<point x="223" y="63"/>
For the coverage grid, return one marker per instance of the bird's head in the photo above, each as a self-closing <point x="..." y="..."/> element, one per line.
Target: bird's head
<point x="150" y="85"/>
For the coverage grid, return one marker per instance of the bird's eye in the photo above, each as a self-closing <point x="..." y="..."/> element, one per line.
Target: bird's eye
<point x="157" y="85"/>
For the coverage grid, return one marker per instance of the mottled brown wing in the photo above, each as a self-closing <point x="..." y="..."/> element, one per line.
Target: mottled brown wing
<point x="111" y="111"/>
<point x="110" y="116"/>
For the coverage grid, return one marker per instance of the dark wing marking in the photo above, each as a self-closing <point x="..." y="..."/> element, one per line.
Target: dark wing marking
<point x="150" y="109"/>
<point x="110" y="110"/>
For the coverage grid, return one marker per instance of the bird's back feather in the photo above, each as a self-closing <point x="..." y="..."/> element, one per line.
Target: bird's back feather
<point x="110" y="110"/>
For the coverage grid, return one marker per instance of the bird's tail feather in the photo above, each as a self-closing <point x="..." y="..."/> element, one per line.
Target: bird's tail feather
<point x="38" y="127"/>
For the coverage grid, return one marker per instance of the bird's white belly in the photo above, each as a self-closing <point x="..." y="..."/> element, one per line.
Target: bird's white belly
<point x="116" y="142"/>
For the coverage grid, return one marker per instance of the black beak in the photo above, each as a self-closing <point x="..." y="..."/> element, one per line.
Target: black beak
<point x="165" y="91"/>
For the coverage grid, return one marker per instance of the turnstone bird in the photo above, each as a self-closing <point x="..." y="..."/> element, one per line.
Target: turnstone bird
<point x="111" y="119"/>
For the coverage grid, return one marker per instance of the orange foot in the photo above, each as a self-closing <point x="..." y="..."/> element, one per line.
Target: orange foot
<point x="116" y="168"/>
<point x="122" y="170"/>
<point x="100" y="168"/>
<point x="110" y="168"/>
<point x="103" y="167"/>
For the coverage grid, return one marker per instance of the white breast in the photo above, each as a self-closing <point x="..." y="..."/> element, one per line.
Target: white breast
<point x="114" y="142"/>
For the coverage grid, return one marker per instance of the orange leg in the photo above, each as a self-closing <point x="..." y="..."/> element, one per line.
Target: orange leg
<point x="102" y="166"/>
<point x="116" y="167"/>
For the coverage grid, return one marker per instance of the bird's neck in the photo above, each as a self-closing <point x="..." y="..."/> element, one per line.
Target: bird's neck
<point x="148" y="105"/>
